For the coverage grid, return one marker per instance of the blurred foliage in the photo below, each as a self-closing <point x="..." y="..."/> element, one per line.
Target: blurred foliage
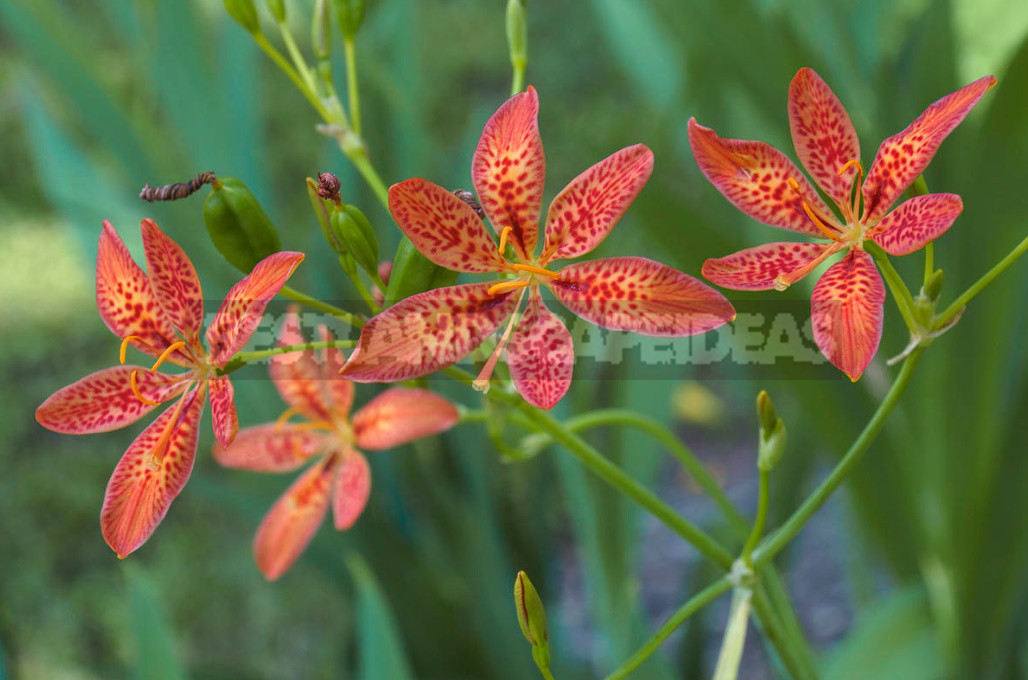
<point x="98" y="98"/>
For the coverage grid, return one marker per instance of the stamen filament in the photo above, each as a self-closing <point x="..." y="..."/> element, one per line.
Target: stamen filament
<point x="504" y="286"/>
<point x="795" y="186"/>
<point x="503" y="238"/>
<point x="125" y="344"/>
<point x="535" y="270"/>
<point x="856" y="185"/>
<point x="286" y="415"/>
<point x="481" y="383"/>
<point x="167" y="353"/>
<point x="783" y="281"/>
<point x="135" y="390"/>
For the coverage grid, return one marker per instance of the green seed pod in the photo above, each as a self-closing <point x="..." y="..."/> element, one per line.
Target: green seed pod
<point x="237" y="224"/>
<point x="531" y="615"/>
<point x="278" y="10"/>
<point x="933" y="286"/>
<point x="350" y="14"/>
<point x="352" y="229"/>
<point x="414" y="273"/>
<point x="245" y="14"/>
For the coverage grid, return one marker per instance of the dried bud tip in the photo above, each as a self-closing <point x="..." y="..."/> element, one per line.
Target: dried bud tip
<point x="328" y="186"/>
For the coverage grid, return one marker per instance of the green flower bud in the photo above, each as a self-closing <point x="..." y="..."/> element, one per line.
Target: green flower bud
<point x="772" y="434"/>
<point x="517" y="32"/>
<point x="321" y="31"/>
<point x="320" y="207"/>
<point x="237" y="224"/>
<point x="352" y="229"/>
<point x="278" y="10"/>
<point x="350" y="14"/>
<point x="933" y="286"/>
<point x="531" y="615"/>
<point x="245" y="14"/>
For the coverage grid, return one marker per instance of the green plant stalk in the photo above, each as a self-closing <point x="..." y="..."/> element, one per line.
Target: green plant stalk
<point x="304" y="299"/>
<point x="980" y="284"/>
<point x="352" y="87"/>
<point x="904" y="300"/>
<point x="298" y="61"/>
<point x="547" y="675"/>
<point x="695" y="603"/>
<point x="760" y="521"/>
<point x="929" y="261"/>
<point x="292" y="74"/>
<point x="785" y="648"/>
<point x="257" y="355"/>
<point x="788" y="531"/>
<point x="734" y="639"/>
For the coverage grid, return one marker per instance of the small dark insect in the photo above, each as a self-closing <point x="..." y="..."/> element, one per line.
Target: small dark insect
<point x="173" y="192"/>
<point x="469" y="198"/>
<point x="328" y="186"/>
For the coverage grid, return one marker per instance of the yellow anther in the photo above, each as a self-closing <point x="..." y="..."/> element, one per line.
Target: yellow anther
<point x="135" y="390"/>
<point x="852" y="164"/>
<point x="504" y="286"/>
<point x="503" y="238"/>
<point x="794" y="185"/>
<point x="167" y="353"/>
<point x="286" y="415"/>
<point x="125" y="344"/>
<point x="535" y="270"/>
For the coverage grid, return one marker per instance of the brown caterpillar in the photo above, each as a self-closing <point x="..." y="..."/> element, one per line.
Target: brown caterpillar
<point x="173" y="192"/>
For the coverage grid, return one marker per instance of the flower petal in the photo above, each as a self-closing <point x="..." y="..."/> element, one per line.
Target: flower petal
<point x="444" y="228"/>
<point x="902" y="157"/>
<point x="916" y="222"/>
<point x="150" y="475"/>
<point x="351" y="490"/>
<point x="271" y="448"/>
<point x="754" y="177"/>
<point x="174" y="282"/>
<point x="636" y="294"/>
<point x="541" y="356"/>
<point x="126" y="301"/>
<point x="427" y="332"/>
<point x="294" y="519"/>
<point x="239" y="314"/>
<point x="340" y="389"/>
<point x="757" y="268"/>
<point x="509" y="168"/>
<point x="104" y="401"/>
<point x="299" y="375"/>
<point x="223" y="409"/>
<point x="823" y="134"/>
<point x="400" y="415"/>
<point x="582" y="215"/>
<point x="847" y="310"/>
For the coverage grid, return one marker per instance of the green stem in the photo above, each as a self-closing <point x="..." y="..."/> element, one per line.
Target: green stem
<point x="758" y="523"/>
<point x="295" y="295"/>
<point x="929" y="261"/>
<point x="257" y="355"/>
<point x="608" y="472"/>
<point x="547" y="675"/>
<point x="291" y="72"/>
<point x="352" y="87"/>
<point x="981" y="283"/>
<point x="781" y="538"/>
<point x="904" y="300"/>
<point x="773" y="630"/>
<point x="360" y="160"/>
<point x="695" y="603"/>
<point x="297" y="57"/>
<point x="518" y="79"/>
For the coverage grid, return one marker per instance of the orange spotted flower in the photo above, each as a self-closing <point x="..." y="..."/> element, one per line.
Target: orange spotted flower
<point x="434" y="329"/>
<point x="160" y="314"/>
<point x="848" y="301"/>
<point x="341" y="476"/>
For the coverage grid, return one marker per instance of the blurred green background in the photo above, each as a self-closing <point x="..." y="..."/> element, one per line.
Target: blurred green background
<point x="916" y="571"/>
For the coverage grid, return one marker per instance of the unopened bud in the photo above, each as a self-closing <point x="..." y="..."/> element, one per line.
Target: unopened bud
<point x="933" y="286"/>
<point x="772" y="434"/>
<point x="278" y="10"/>
<point x="237" y="224"/>
<point x="321" y="31"/>
<point x="245" y="14"/>
<point x="352" y="228"/>
<point x="350" y="14"/>
<point x="532" y="618"/>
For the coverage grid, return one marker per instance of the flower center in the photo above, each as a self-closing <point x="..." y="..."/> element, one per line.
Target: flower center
<point x="134" y="376"/>
<point x="527" y="273"/>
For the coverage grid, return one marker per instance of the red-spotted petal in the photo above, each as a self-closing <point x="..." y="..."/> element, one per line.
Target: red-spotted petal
<point x="299" y="375"/>
<point x="427" y="332"/>
<point x="150" y="475"/>
<point x="174" y="281"/>
<point x="754" y="177"/>
<point x="823" y="134"/>
<point x="541" y="356"/>
<point x="340" y="389"/>
<point x="400" y="415"/>
<point x="444" y="228"/>
<point x="902" y="157"/>
<point x="509" y="168"/>
<point x="244" y="305"/>
<point x="757" y="268"/>
<point x="126" y="301"/>
<point x="271" y="448"/>
<point x="636" y="294"/>
<point x="223" y="409"/>
<point x="294" y="519"/>
<point x="104" y="401"/>
<point x="847" y="312"/>
<point x="582" y="215"/>
<point x="916" y="222"/>
<point x="351" y="491"/>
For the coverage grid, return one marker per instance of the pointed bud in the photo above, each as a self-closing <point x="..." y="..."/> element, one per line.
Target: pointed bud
<point x="933" y="286"/>
<point x="321" y="31"/>
<point x="278" y="10"/>
<point x="772" y="433"/>
<point x="244" y="13"/>
<point x="531" y="617"/>
<point x="350" y="14"/>
<point x="517" y="32"/>
<point x="352" y="229"/>
<point x="237" y="224"/>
